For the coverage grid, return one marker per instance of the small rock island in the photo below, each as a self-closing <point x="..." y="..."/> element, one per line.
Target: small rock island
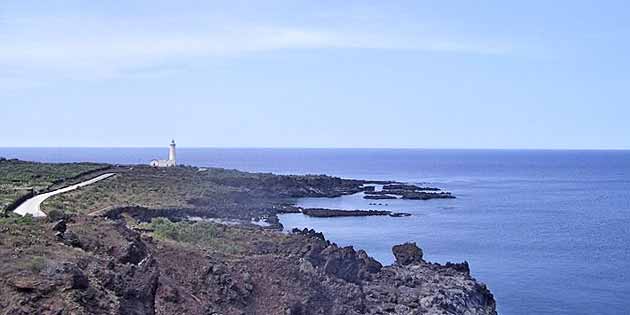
<point x="407" y="191"/>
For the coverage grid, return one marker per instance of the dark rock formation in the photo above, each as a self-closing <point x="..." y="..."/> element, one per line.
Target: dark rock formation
<point x="311" y="233"/>
<point x="399" y="214"/>
<point x="78" y="280"/>
<point x="407" y="253"/>
<point x="119" y="271"/>
<point x="427" y="289"/>
<point x="56" y="215"/>
<point x="71" y="239"/>
<point x="328" y="213"/>
<point x="379" y="197"/>
<point x="426" y="196"/>
<point x="461" y="267"/>
<point x="411" y="286"/>
<point x="408" y="187"/>
<point x="59" y="226"/>
<point x="344" y="263"/>
<point x="409" y="192"/>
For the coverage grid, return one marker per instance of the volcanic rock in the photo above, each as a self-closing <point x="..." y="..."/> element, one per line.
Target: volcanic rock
<point x="407" y="253"/>
<point x="59" y="226"/>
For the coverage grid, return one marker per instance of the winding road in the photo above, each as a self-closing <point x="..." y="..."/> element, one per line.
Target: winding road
<point x="32" y="205"/>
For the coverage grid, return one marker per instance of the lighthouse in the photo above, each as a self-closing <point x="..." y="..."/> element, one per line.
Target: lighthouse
<point x="171" y="158"/>
<point x="171" y="153"/>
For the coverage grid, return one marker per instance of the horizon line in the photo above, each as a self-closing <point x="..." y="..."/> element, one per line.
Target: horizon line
<point x="316" y="148"/>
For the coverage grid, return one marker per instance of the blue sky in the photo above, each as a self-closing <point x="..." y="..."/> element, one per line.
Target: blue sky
<point x="410" y="74"/>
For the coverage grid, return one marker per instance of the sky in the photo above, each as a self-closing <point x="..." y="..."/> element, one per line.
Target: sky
<point x="287" y="73"/>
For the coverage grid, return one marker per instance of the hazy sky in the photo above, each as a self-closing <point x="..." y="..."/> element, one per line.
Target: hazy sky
<point x="428" y="74"/>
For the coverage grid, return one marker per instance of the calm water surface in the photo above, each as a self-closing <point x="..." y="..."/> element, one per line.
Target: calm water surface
<point x="548" y="231"/>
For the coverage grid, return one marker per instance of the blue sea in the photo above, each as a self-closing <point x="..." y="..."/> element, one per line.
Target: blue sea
<point x="548" y="231"/>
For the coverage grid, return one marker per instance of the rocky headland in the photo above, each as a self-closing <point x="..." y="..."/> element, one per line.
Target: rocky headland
<point x="130" y="245"/>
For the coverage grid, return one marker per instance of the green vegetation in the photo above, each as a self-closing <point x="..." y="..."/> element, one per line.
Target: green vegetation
<point x="180" y="187"/>
<point x="36" y="264"/>
<point x="229" y="191"/>
<point x="20" y="178"/>
<point x="204" y="234"/>
<point x="194" y="233"/>
<point x="18" y="220"/>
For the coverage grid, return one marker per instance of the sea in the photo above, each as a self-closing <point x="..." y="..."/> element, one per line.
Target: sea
<point x="547" y="231"/>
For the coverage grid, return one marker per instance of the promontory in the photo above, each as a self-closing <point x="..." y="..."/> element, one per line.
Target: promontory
<point x="189" y="240"/>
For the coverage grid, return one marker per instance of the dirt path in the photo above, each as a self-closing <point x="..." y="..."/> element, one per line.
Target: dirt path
<point x="32" y="206"/>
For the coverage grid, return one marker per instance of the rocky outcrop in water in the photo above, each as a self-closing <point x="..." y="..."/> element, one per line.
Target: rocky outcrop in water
<point x="379" y="197"/>
<point x="415" y="195"/>
<point x="407" y="187"/>
<point x="409" y="192"/>
<point x="331" y="213"/>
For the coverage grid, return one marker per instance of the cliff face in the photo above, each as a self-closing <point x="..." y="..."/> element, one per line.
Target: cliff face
<point x="91" y="265"/>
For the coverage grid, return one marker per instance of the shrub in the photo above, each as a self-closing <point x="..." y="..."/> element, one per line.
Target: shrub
<point x="56" y="215"/>
<point x="20" y="220"/>
<point x="37" y="264"/>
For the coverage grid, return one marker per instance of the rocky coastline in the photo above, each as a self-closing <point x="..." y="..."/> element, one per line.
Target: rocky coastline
<point x="153" y="258"/>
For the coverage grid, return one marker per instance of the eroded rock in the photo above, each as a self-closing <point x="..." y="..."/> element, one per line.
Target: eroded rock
<point x="59" y="226"/>
<point x="78" y="280"/>
<point x="407" y="253"/>
<point x="71" y="239"/>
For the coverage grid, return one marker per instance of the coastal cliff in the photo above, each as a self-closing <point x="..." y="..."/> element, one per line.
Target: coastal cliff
<point x="192" y="249"/>
<point x="92" y="265"/>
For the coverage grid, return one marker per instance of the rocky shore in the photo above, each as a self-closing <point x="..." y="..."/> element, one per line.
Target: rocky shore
<point x="118" y="247"/>
<point x="93" y="265"/>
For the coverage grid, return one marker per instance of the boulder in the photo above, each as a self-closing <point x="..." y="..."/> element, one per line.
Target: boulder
<point x="56" y="215"/>
<point x="134" y="252"/>
<point x="369" y="264"/>
<point x="24" y="283"/>
<point x="78" y="280"/>
<point x="407" y="253"/>
<point x="347" y="264"/>
<point x="341" y="262"/>
<point x="71" y="239"/>
<point x="59" y="226"/>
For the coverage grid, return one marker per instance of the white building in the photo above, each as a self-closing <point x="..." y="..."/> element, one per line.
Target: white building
<point x="171" y="158"/>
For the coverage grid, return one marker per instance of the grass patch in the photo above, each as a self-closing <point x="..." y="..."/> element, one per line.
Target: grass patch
<point x="203" y="234"/>
<point x="36" y="264"/>
<point x="19" y="178"/>
<point x="194" y="233"/>
<point x="18" y="220"/>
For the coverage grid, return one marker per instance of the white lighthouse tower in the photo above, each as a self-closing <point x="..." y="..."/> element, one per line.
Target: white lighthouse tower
<point x="171" y="153"/>
<point x="171" y="158"/>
